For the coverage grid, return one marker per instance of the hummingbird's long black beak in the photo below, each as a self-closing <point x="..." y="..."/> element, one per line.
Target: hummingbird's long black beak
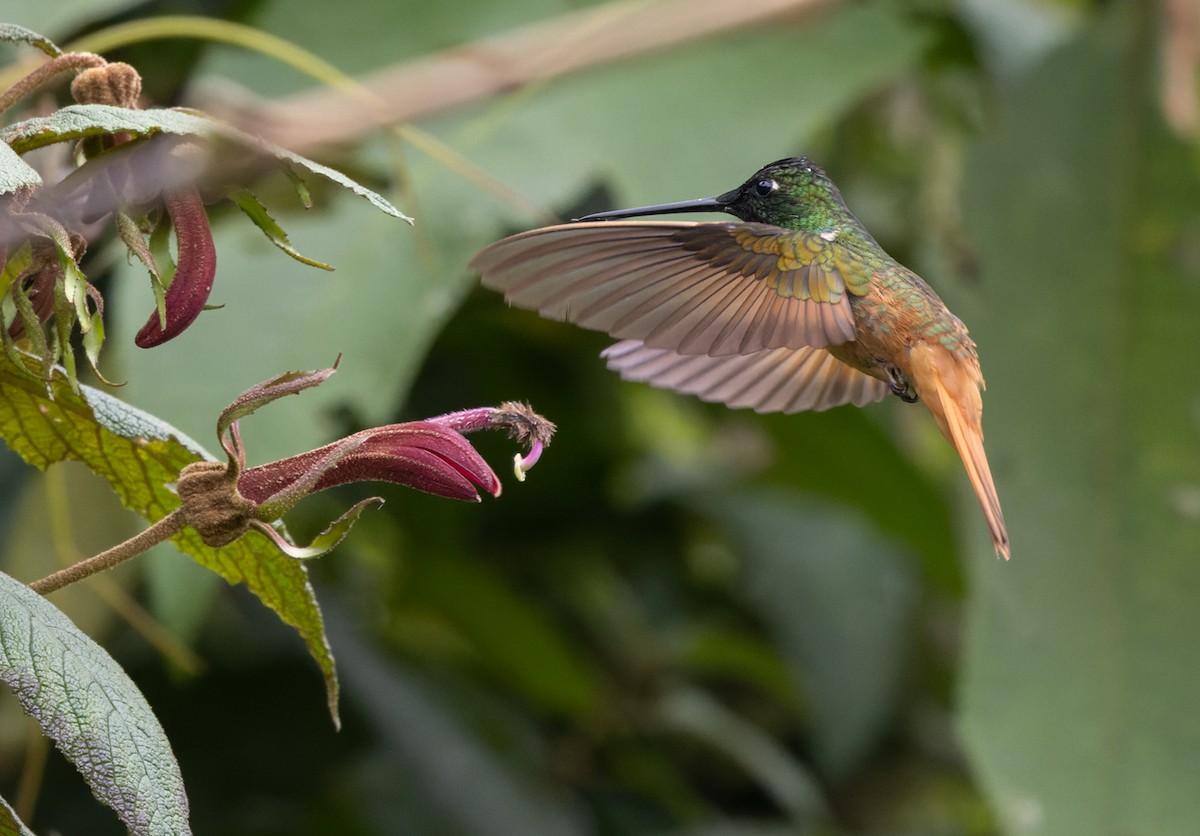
<point x="704" y="204"/>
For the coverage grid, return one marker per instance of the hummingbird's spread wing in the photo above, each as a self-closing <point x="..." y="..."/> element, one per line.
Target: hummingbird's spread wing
<point x="708" y="288"/>
<point x="776" y="380"/>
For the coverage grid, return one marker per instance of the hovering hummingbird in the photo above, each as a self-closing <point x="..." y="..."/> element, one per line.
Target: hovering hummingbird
<point x="794" y="308"/>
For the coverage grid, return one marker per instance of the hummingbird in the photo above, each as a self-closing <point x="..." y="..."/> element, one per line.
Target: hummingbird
<point x="793" y="307"/>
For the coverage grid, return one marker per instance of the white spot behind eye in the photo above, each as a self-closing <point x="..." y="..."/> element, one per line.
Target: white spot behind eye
<point x="829" y="236"/>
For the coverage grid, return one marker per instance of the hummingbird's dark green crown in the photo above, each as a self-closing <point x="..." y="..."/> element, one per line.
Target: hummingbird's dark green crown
<point x="794" y="193"/>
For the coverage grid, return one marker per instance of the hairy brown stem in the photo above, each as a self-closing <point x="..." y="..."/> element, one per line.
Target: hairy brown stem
<point x="164" y="529"/>
<point x="47" y="71"/>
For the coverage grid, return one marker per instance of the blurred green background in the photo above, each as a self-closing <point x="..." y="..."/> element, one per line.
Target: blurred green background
<point x="689" y="620"/>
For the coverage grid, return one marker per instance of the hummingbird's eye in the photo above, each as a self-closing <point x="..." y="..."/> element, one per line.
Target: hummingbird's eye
<point x="763" y="188"/>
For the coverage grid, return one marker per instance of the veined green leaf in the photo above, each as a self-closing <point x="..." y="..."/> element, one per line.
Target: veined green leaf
<point x="141" y="456"/>
<point x="92" y="710"/>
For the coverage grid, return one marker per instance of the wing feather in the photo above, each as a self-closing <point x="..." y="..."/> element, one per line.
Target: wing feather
<point x="775" y="380"/>
<point x="712" y="289"/>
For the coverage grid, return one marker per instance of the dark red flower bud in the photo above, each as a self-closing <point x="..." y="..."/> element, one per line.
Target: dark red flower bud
<point x="193" y="281"/>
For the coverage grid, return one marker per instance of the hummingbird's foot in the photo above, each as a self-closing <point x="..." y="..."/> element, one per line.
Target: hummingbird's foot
<point x="901" y="386"/>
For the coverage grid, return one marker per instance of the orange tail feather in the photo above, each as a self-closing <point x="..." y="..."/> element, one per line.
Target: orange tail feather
<point x="951" y="392"/>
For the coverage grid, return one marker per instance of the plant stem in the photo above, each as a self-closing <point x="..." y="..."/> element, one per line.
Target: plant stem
<point x="164" y="529"/>
<point x="47" y="71"/>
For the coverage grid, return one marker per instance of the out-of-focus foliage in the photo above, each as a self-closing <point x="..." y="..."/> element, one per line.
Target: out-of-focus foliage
<point x="692" y="620"/>
<point x="1077" y="692"/>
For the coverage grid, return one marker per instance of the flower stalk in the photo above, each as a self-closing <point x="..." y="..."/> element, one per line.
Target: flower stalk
<point x="160" y="532"/>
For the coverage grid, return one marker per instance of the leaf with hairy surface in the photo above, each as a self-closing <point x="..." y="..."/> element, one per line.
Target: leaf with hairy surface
<point x="140" y="456"/>
<point x="87" y="704"/>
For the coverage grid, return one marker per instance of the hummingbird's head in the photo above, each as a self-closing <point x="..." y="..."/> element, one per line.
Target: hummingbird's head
<point x="792" y="193"/>
<point x="785" y="193"/>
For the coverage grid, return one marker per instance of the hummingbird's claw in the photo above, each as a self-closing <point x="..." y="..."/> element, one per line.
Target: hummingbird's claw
<point x="901" y="387"/>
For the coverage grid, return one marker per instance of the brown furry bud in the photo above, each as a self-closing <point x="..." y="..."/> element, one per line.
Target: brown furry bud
<point x="212" y="504"/>
<point x="113" y="84"/>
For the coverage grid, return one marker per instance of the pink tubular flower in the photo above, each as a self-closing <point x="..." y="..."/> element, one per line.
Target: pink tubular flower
<point x="224" y="500"/>
<point x="421" y="454"/>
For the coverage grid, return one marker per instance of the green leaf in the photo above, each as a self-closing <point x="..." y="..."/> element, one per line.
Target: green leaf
<point x="95" y="714"/>
<point x="79" y="121"/>
<point x="10" y="824"/>
<point x="140" y="456"/>
<point x="837" y="599"/>
<point x="1079" y="695"/>
<point x="15" y="173"/>
<point x="257" y="212"/>
<point x="19" y="34"/>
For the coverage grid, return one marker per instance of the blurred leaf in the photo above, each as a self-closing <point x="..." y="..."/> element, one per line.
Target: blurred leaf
<point x="838" y="601"/>
<point x="141" y="457"/>
<point x="10" y="825"/>
<point x="79" y="121"/>
<point x="93" y="711"/>
<point x="178" y="592"/>
<point x="743" y="657"/>
<point x="651" y="126"/>
<point x="56" y="17"/>
<point x="368" y="34"/>
<point x="1081" y="675"/>
<point x="845" y="455"/>
<point x="735" y="827"/>
<point x="510" y="635"/>
<point x="778" y="773"/>
<point x="470" y="789"/>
